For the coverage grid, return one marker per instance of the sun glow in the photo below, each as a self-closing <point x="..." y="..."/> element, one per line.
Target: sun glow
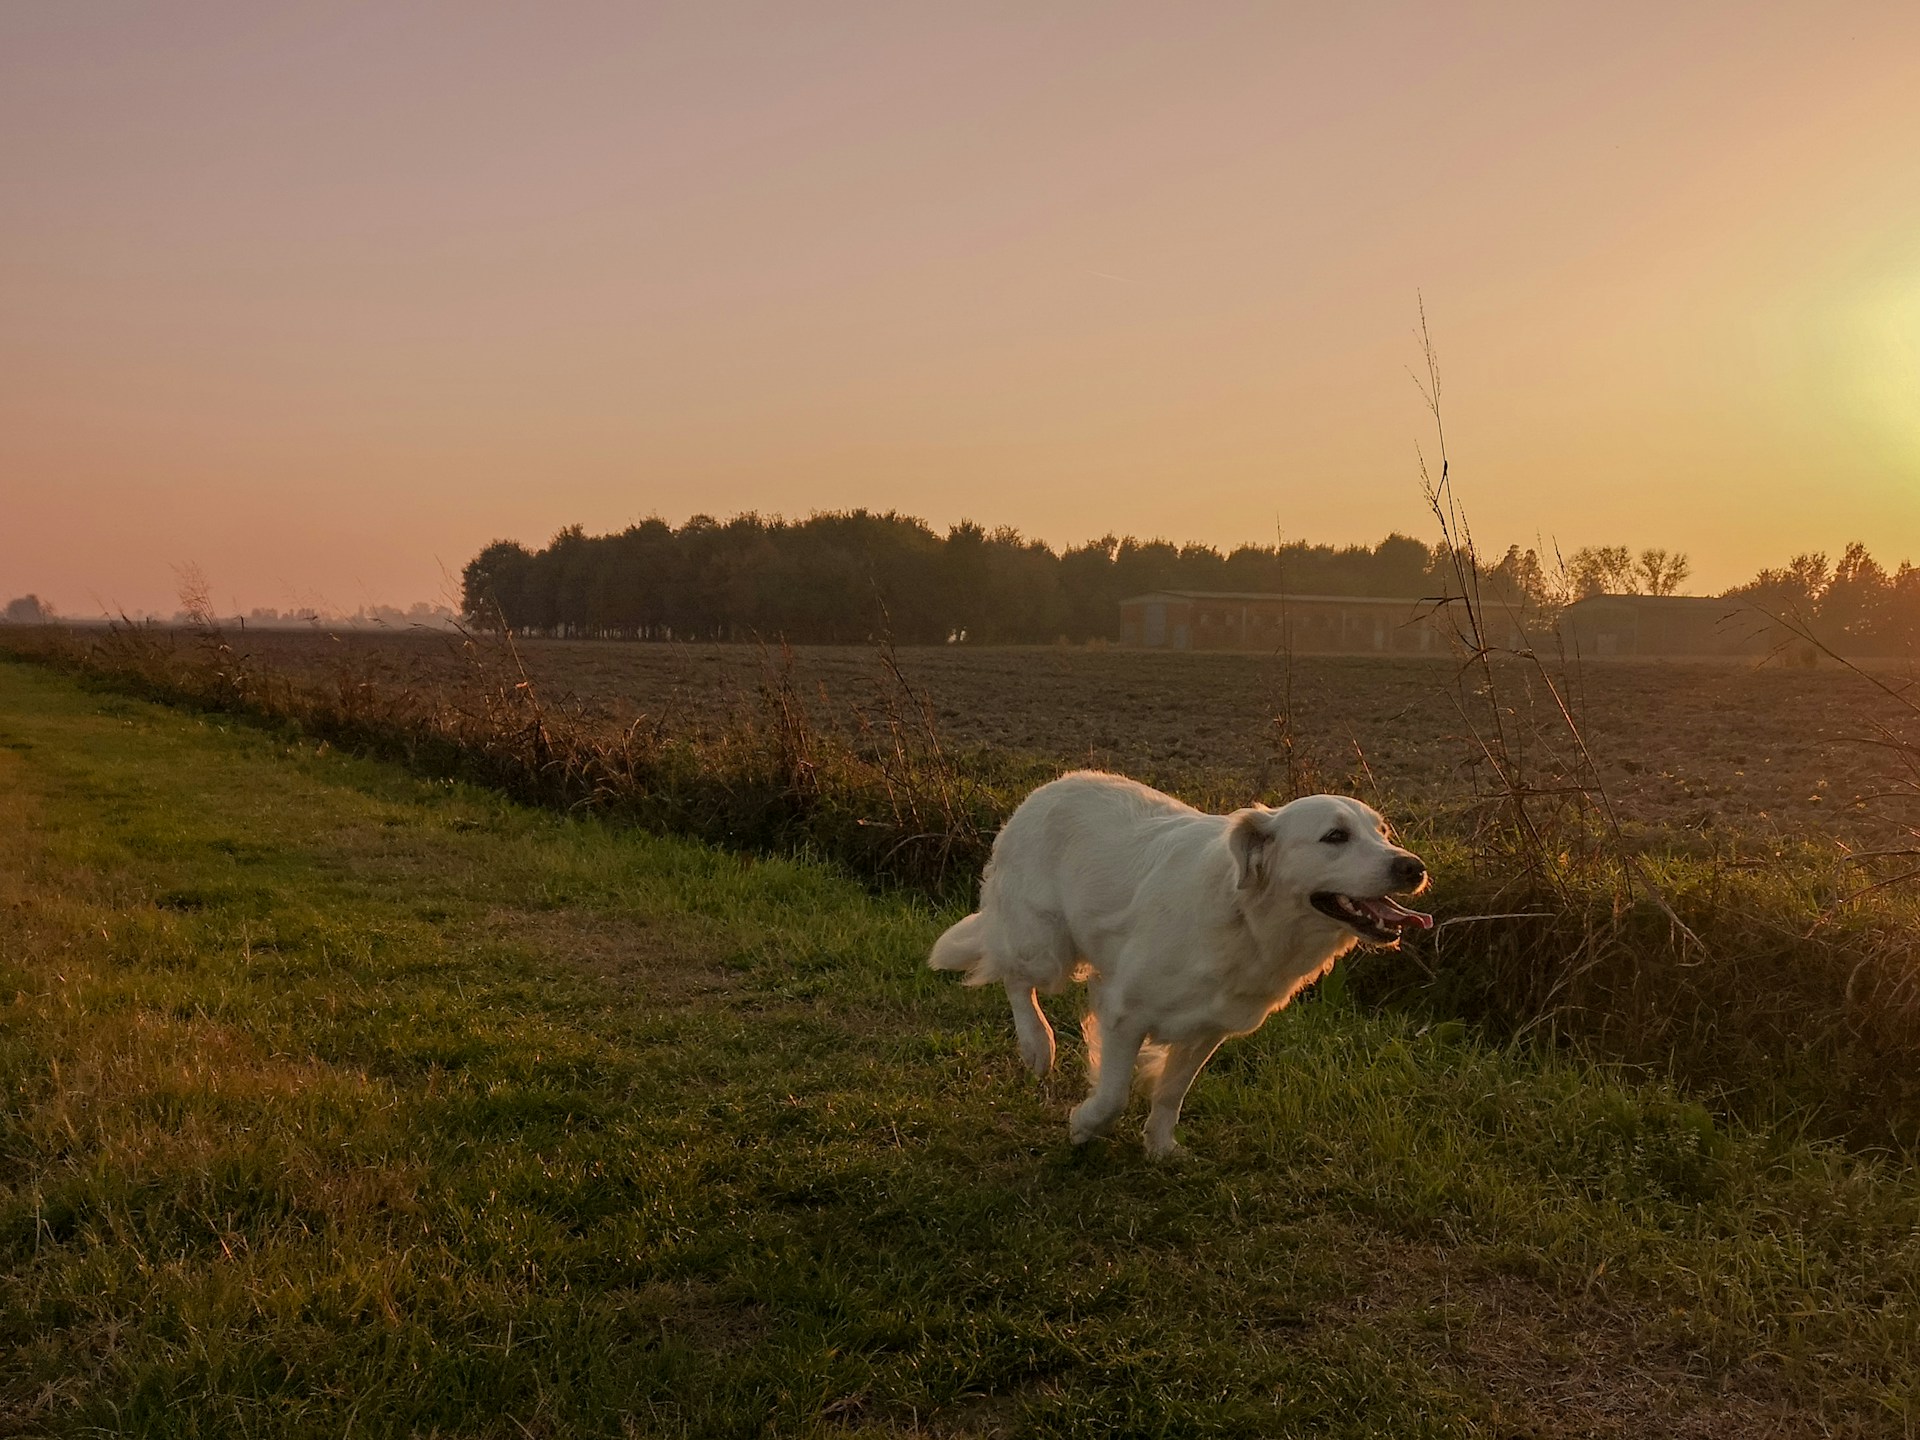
<point x="1884" y="356"/>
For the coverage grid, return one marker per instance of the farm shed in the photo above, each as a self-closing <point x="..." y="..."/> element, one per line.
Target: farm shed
<point x="1664" y="625"/>
<point x="1326" y="624"/>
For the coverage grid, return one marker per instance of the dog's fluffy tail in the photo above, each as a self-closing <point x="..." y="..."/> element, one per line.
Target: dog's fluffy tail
<point x="960" y="949"/>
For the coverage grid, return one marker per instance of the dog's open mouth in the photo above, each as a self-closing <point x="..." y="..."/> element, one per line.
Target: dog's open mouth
<point x="1377" y="917"/>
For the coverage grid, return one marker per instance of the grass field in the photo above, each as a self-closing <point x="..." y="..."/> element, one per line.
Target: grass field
<point x="340" y="1101"/>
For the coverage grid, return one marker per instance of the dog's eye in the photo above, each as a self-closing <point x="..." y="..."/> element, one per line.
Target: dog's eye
<point x="1334" y="837"/>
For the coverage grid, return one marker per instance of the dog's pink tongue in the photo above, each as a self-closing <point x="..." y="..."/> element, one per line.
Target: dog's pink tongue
<point x="1395" y="915"/>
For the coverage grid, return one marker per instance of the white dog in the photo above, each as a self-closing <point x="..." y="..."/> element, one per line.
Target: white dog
<point x="1188" y="927"/>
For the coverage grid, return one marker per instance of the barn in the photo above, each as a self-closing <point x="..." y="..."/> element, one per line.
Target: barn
<point x="1697" y="625"/>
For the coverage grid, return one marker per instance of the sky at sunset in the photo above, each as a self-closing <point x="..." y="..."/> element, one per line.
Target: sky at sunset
<point x="323" y="297"/>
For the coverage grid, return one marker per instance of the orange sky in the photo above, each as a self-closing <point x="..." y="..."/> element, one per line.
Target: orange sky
<point x="324" y="297"/>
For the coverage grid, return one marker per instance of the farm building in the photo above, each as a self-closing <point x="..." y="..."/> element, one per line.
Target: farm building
<point x="1328" y="624"/>
<point x="1600" y="625"/>
<point x="1664" y="625"/>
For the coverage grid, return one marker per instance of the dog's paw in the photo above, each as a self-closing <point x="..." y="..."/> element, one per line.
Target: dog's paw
<point x="1082" y="1127"/>
<point x="1164" y="1148"/>
<point x="1039" y="1057"/>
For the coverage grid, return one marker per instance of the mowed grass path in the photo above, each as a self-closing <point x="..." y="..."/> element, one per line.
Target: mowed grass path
<point x="341" y="1102"/>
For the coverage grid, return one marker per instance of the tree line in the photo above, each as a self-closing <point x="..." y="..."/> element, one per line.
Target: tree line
<point x="847" y="577"/>
<point x="1854" y="604"/>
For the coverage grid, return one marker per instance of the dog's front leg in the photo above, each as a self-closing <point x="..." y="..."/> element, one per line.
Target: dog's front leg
<point x="1184" y="1061"/>
<point x="1119" y="1047"/>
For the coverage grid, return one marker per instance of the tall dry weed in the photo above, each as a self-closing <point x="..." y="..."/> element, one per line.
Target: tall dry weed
<point x="1769" y="978"/>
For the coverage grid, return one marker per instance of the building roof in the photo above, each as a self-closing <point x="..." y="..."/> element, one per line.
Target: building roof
<point x="1400" y="601"/>
<point x="1725" y="604"/>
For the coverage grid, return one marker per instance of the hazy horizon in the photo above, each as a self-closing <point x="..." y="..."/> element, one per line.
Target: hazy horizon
<point x="323" y="298"/>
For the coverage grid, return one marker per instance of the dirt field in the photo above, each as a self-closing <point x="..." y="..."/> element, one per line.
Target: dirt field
<point x="1708" y="747"/>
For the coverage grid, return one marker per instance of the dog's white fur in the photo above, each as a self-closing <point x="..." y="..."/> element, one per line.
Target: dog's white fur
<point x="1188" y="927"/>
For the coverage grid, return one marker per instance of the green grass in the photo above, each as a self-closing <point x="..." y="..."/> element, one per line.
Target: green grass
<point x="338" y="1101"/>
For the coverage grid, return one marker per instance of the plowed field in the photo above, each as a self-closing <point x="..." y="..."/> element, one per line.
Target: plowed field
<point x="1705" y="746"/>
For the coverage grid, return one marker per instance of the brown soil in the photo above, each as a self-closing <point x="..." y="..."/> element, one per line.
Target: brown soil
<point x="1710" y="747"/>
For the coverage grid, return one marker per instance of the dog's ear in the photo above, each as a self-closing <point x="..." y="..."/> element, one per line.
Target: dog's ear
<point x="1248" y="840"/>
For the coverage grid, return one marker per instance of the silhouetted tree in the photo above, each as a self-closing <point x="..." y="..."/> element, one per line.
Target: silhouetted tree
<point x="1795" y="589"/>
<point x="494" y="584"/>
<point x="1521" y="582"/>
<point x="1853" y="610"/>
<point x="1661" y="572"/>
<point x="1603" y="570"/>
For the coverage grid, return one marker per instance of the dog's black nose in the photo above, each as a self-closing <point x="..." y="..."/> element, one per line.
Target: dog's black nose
<point x="1408" y="872"/>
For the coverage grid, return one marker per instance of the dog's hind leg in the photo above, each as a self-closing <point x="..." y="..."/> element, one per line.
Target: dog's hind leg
<point x="1030" y="1024"/>
<point x="1113" y="1049"/>
<point x="1183" y="1062"/>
